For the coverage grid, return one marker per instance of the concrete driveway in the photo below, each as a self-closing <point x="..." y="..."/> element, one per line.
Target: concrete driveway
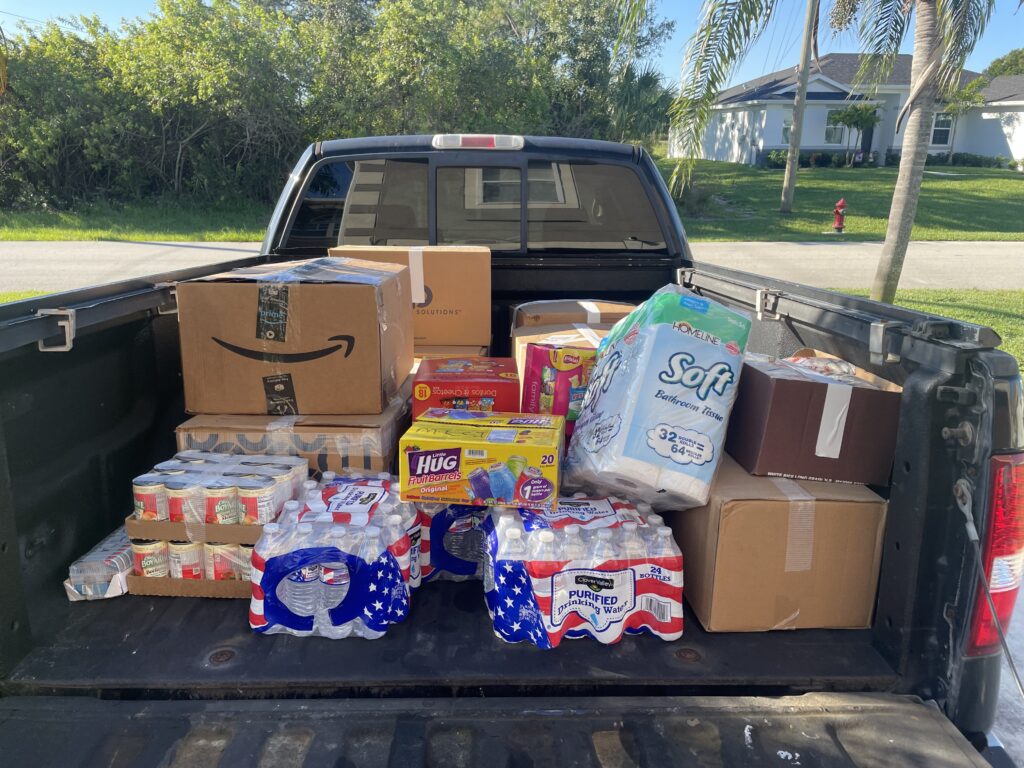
<point x="56" y="266"/>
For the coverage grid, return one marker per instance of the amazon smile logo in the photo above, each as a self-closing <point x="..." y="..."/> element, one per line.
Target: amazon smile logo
<point x="346" y="341"/>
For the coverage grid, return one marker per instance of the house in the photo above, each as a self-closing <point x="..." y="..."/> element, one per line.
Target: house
<point x="752" y="119"/>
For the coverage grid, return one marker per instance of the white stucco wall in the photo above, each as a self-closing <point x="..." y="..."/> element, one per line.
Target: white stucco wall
<point x="992" y="131"/>
<point x="813" y="137"/>
<point x="732" y="135"/>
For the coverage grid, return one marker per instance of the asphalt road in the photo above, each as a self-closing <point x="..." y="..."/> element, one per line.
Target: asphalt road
<point x="56" y="266"/>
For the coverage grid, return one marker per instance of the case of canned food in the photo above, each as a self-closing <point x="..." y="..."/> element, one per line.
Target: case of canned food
<point x="190" y="569"/>
<point x="212" y="497"/>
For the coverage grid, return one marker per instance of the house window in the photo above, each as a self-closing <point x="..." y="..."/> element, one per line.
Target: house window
<point x="834" y="132"/>
<point x="942" y="127"/>
<point x="787" y="124"/>
<point x="549" y="185"/>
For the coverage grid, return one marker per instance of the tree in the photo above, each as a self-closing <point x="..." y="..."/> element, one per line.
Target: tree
<point x="640" y="103"/>
<point x="856" y="118"/>
<point x="945" y="33"/>
<point x="799" y="102"/>
<point x="1010" y="64"/>
<point x="960" y="102"/>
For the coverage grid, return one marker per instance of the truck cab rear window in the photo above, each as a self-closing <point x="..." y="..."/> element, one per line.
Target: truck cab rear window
<point x="570" y="206"/>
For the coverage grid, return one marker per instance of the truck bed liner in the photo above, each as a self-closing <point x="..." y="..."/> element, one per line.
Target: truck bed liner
<point x="152" y="647"/>
<point x="819" y="729"/>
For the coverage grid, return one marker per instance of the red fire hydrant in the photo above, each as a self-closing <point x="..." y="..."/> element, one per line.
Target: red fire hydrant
<point x="840" y="216"/>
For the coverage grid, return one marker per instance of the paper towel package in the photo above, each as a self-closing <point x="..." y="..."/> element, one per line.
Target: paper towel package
<point x="653" y="422"/>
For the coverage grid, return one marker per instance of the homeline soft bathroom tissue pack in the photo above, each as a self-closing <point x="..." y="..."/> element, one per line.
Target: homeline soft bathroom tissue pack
<point x="657" y="406"/>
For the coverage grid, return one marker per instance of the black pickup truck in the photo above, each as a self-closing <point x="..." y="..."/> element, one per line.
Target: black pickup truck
<point x="90" y="391"/>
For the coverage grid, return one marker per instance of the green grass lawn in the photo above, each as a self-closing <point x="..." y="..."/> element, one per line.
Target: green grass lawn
<point x="1003" y="311"/>
<point x="743" y="204"/>
<point x="8" y="296"/>
<point x="164" y="220"/>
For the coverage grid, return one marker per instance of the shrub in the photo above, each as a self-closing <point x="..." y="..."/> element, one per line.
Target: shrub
<point x="892" y="157"/>
<point x="776" y="159"/>
<point x="838" y="159"/>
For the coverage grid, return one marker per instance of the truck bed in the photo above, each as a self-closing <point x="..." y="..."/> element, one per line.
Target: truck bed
<point x="167" y="648"/>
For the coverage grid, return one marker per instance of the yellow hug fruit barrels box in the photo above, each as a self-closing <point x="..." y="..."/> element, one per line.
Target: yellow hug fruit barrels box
<point x="487" y="459"/>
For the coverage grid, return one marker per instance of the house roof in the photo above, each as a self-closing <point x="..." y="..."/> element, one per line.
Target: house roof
<point x="840" y="67"/>
<point x="1004" y="88"/>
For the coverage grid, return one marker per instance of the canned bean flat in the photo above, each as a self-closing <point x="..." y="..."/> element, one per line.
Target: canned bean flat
<point x="149" y="559"/>
<point x="185" y="559"/>
<point x="256" y="497"/>
<point x="184" y="500"/>
<point x="221" y="561"/>
<point x="150" y="497"/>
<point x="220" y="501"/>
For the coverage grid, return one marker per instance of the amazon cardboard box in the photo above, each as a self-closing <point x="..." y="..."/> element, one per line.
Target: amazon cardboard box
<point x="773" y="553"/>
<point x="333" y="443"/>
<point x="572" y="335"/>
<point x="325" y="336"/>
<point x="814" y="416"/>
<point x="451" y="289"/>
<point x="569" y="311"/>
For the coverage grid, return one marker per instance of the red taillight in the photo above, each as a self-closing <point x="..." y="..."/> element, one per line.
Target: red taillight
<point x="1003" y="554"/>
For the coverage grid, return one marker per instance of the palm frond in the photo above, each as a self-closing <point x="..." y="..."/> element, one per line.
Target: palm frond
<point x="726" y="30"/>
<point x="632" y="17"/>
<point x="883" y="25"/>
<point x="962" y="23"/>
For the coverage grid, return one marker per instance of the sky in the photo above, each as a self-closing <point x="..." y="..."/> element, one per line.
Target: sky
<point x="777" y="49"/>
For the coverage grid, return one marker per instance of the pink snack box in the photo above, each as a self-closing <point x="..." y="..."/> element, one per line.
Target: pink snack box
<point x="555" y="380"/>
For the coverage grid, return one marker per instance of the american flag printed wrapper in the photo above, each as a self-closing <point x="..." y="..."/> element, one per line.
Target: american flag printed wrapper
<point x="451" y="541"/>
<point x="578" y="595"/>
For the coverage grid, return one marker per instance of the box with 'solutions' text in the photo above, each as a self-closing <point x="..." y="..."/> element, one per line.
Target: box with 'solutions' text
<point x="325" y="336"/>
<point x="451" y="289"/>
<point x="775" y="553"/>
<point x="487" y="459"/>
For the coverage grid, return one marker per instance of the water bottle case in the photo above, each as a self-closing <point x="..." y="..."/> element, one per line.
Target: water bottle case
<point x="439" y="523"/>
<point x="378" y="594"/>
<point x="543" y="601"/>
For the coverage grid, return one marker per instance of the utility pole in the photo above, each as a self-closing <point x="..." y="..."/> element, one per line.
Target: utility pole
<point x="795" y="130"/>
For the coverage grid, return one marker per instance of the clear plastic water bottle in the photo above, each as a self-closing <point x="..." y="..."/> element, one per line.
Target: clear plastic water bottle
<point x="649" y="531"/>
<point x="334" y="584"/>
<point x="542" y="546"/>
<point x="369" y="551"/>
<point x="602" y="548"/>
<point x="633" y="550"/>
<point x="573" y="547"/>
<point x="307" y="486"/>
<point x="664" y="545"/>
<point x="464" y="539"/>
<point x="512" y="546"/>
<point x="289" y="514"/>
<point x="303" y="584"/>
<point x="327" y="478"/>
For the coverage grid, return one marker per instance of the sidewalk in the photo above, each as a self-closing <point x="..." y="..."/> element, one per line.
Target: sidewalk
<point x="987" y="265"/>
<point x="56" y="266"/>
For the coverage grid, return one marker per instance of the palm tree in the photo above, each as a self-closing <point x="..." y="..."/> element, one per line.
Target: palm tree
<point x="945" y="33"/>
<point x="640" y="102"/>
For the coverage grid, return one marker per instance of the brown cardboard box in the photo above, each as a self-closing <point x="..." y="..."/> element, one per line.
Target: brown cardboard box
<point x="792" y="422"/>
<point x="420" y="354"/>
<point x="571" y="335"/>
<point x="328" y="442"/>
<point x="451" y="289"/>
<point x="168" y="587"/>
<point x="773" y="553"/>
<point x="569" y="311"/>
<point x="214" y="533"/>
<point x="323" y="336"/>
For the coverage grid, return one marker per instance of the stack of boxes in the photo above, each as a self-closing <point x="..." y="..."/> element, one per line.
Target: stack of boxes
<point x="308" y="360"/>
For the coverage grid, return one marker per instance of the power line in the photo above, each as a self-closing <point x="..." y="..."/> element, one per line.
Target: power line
<point x="40" y="21"/>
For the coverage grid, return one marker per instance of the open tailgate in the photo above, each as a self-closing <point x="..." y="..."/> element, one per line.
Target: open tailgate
<point x="815" y="729"/>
